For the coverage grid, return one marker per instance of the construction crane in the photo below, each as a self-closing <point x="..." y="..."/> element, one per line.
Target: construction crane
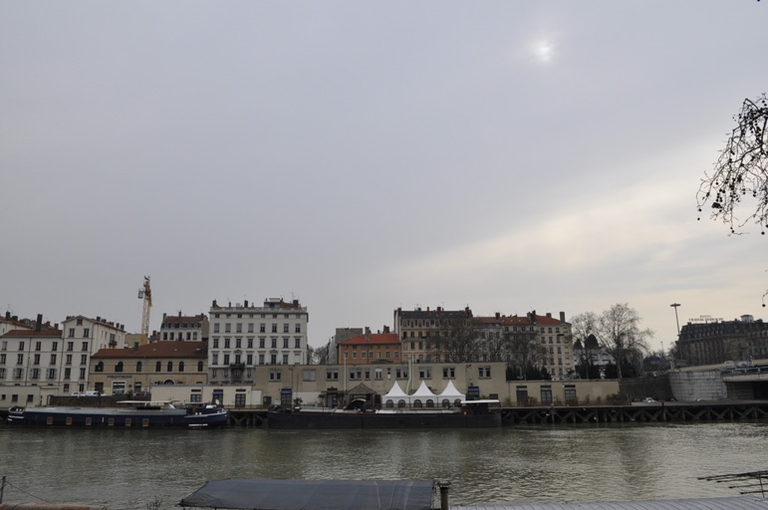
<point x="146" y="295"/>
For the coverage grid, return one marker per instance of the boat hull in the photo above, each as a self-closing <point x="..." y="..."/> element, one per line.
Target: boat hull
<point x="114" y="418"/>
<point x="367" y="420"/>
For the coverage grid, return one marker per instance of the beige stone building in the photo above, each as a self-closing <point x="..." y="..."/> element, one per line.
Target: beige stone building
<point x="137" y="369"/>
<point x="332" y="385"/>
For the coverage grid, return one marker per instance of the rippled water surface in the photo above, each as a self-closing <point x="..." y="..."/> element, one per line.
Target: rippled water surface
<point x="130" y="468"/>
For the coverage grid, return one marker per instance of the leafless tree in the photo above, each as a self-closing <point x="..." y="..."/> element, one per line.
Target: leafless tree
<point x="319" y="355"/>
<point x="525" y="352"/>
<point x="618" y="331"/>
<point x="456" y="341"/>
<point x="741" y="171"/>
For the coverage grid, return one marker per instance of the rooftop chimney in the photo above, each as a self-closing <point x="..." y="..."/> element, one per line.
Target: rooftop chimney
<point x="39" y="323"/>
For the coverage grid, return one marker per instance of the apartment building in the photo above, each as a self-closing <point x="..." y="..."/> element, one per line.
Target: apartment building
<point x="31" y="357"/>
<point x="184" y="328"/>
<point x="421" y="331"/>
<point x="370" y="348"/>
<point x="710" y="341"/>
<point x="244" y="336"/>
<point x="82" y="337"/>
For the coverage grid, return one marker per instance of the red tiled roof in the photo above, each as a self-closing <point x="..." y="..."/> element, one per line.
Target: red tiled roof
<point x="158" y="350"/>
<point x="373" y="338"/>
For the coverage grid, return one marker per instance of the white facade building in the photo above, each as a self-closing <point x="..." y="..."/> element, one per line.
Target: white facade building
<point x="83" y="337"/>
<point x="242" y="337"/>
<point x="30" y="363"/>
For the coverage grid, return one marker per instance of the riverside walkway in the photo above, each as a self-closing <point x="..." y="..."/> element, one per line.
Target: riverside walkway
<point x="711" y="411"/>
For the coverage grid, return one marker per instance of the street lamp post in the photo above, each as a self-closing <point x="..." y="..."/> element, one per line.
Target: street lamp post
<point x="677" y="321"/>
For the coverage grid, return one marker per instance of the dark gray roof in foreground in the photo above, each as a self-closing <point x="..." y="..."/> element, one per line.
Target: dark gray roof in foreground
<point x="730" y="503"/>
<point x="268" y="494"/>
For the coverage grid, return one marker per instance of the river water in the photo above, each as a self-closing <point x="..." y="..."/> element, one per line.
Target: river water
<point x="132" y="468"/>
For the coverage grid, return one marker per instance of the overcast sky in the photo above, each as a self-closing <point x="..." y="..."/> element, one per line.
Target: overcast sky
<point x="363" y="156"/>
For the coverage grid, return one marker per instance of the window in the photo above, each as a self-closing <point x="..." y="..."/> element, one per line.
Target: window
<point x="82" y="373"/>
<point x="297" y="343"/>
<point x="274" y="343"/>
<point x="285" y="359"/>
<point x="55" y="346"/>
<point x="158" y="366"/>
<point x="83" y="359"/>
<point x="378" y="374"/>
<point x="51" y="374"/>
<point x="20" y="359"/>
<point x="2" y="359"/>
<point x="21" y="345"/>
<point x="546" y="394"/>
<point x="35" y="373"/>
<point x="449" y="373"/>
<point x="67" y="373"/>
<point x="249" y="359"/>
<point x="239" y="327"/>
<point x="261" y="359"/>
<point x="298" y="328"/>
<point x="226" y="343"/>
<point x="273" y="359"/>
<point x="227" y="328"/>
<point x="199" y="366"/>
<point x="226" y="359"/>
<point x="261" y="343"/>
<point x="100" y="367"/>
<point x="425" y="373"/>
<point x="250" y="327"/>
<point x="139" y="366"/>
<point x="71" y="333"/>
<point x="86" y="332"/>
<point x="36" y="359"/>
<point x="238" y="343"/>
<point x="215" y="358"/>
<point x="262" y="328"/>
<point x="215" y="343"/>
<point x="484" y="372"/>
<point x="250" y="343"/>
<point x="286" y="327"/>
<point x="275" y="375"/>
<point x="274" y="328"/>
<point x="309" y="374"/>
<point x="332" y="375"/>
<point x="38" y="346"/>
<point x="196" y="397"/>
<point x="70" y="346"/>
<point x="285" y="343"/>
<point x="118" y="367"/>
<point x="18" y="373"/>
<point x="169" y="366"/>
<point x="215" y="327"/>
<point x="84" y="346"/>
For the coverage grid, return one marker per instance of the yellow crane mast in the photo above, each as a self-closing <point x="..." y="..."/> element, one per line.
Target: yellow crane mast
<point x="146" y="295"/>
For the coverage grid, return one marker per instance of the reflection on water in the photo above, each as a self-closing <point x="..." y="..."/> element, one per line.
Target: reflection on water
<point x="129" y="468"/>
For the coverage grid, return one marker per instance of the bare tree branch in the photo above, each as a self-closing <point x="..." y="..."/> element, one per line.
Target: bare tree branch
<point x="741" y="172"/>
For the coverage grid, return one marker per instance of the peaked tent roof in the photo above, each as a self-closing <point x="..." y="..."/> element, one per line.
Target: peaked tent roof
<point x="395" y="393"/>
<point x="450" y="392"/>
<point x="268" y="494"/>
<point x="423" y="392"/>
